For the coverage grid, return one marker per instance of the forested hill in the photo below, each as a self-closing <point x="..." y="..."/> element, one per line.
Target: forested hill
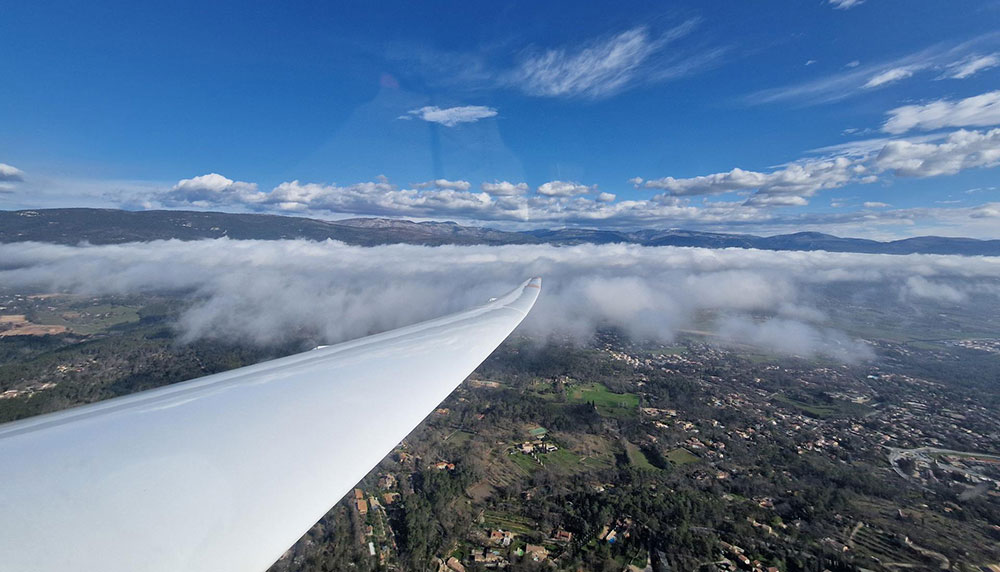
<point x="110" y="226"/>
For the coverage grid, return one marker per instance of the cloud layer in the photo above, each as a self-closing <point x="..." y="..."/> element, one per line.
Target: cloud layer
<point x="889" y="76"/>
<point x="504" y="188"/>
<point x="787" y="186"/>
<point x="10" y="173"/>
<point x="575" y="203"/>
<point x="951" y="61"/>
<point x="596" y="70"/>
<point x="863" y="162"/>
<point x="977" y="111"/>
<point x="268" y="292"/>
<point x="571" y="202"/>
<point x="845" y="4"/>
<point x="961" y="150"/>
<point x="972" y="65"/>
<point x="585" y="68"/>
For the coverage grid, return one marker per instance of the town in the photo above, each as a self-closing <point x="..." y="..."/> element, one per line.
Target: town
<point x="757" y="444"/>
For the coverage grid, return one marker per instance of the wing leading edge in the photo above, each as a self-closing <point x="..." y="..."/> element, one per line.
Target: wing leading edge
<point x="226" y="472"/>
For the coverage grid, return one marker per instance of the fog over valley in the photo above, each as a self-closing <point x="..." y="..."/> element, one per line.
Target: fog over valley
<point x="268" y="292"/>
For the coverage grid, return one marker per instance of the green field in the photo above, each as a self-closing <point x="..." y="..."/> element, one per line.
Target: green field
<point x="814" y="410"/>
<point x="458" y="438"/>
<point x="681" y="456"/>
<point x="525" y="463"/>
<point x="608" y="403"/>
<point x="561" y="460"/>
<point x="637" y="458"/>
<point x="601" y="462"/>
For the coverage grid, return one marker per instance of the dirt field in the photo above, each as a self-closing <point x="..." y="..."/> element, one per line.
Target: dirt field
<point x="33" y="330"/>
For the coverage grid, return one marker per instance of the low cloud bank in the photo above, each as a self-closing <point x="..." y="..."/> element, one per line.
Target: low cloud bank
<point x="272" y="291"/>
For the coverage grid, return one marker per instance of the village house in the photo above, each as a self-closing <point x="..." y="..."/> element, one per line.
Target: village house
<point x="501" y="537"/>
<point x="489" y="559"/>
<point x="387" y="481"/>
<point x="535" y="552"/>
<point x="561" y="535"/>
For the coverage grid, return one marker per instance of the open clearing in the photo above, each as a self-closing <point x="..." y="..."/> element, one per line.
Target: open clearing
<point x="681" y="456"/>
<point x="608" y="403"/>
<point x="637" y="458"/>
<point x="561" y="460"/>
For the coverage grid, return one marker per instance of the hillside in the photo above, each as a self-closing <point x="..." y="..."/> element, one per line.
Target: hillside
<point x="109" y="226"/>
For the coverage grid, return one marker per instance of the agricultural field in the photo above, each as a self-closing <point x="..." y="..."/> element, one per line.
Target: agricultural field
<point x="458" y="438"/>
<point x="681" y="456"/>
<point x="87" y="319"/>
<point x="637" y="458"/>
<point x="507" y="521"/>
<point x="526" y="463"/>
<point x="53" y="314"/>
<point x="608" y="403"/>
<point x="561" y="461"/>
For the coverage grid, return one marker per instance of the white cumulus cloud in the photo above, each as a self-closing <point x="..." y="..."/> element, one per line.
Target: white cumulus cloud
<point x="961" y="150"/>
<point x="564" y="189"/>
<point x="451" y="116"/>
<point x="504" y="188"/>
<point x="561" y="203"/>
<point x="445" y="184"/>
<point x="783" y="187"/>
<point x="556" y="201"/>
<point x="210" y="190"/>
<point x="765" y="200"/>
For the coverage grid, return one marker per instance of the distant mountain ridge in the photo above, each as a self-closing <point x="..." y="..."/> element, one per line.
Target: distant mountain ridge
<point x="110" y="226"/>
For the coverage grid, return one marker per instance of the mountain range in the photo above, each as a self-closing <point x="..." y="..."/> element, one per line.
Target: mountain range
<point x="110" y="226"/>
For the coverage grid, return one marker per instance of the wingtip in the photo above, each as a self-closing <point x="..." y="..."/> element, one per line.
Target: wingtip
<point x="534" y="282"/>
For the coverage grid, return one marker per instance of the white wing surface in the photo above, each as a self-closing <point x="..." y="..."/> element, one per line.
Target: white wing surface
<point x="226" y="472"/>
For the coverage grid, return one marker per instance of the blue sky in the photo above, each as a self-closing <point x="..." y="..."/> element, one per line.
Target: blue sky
<point x="875" y="118"/>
